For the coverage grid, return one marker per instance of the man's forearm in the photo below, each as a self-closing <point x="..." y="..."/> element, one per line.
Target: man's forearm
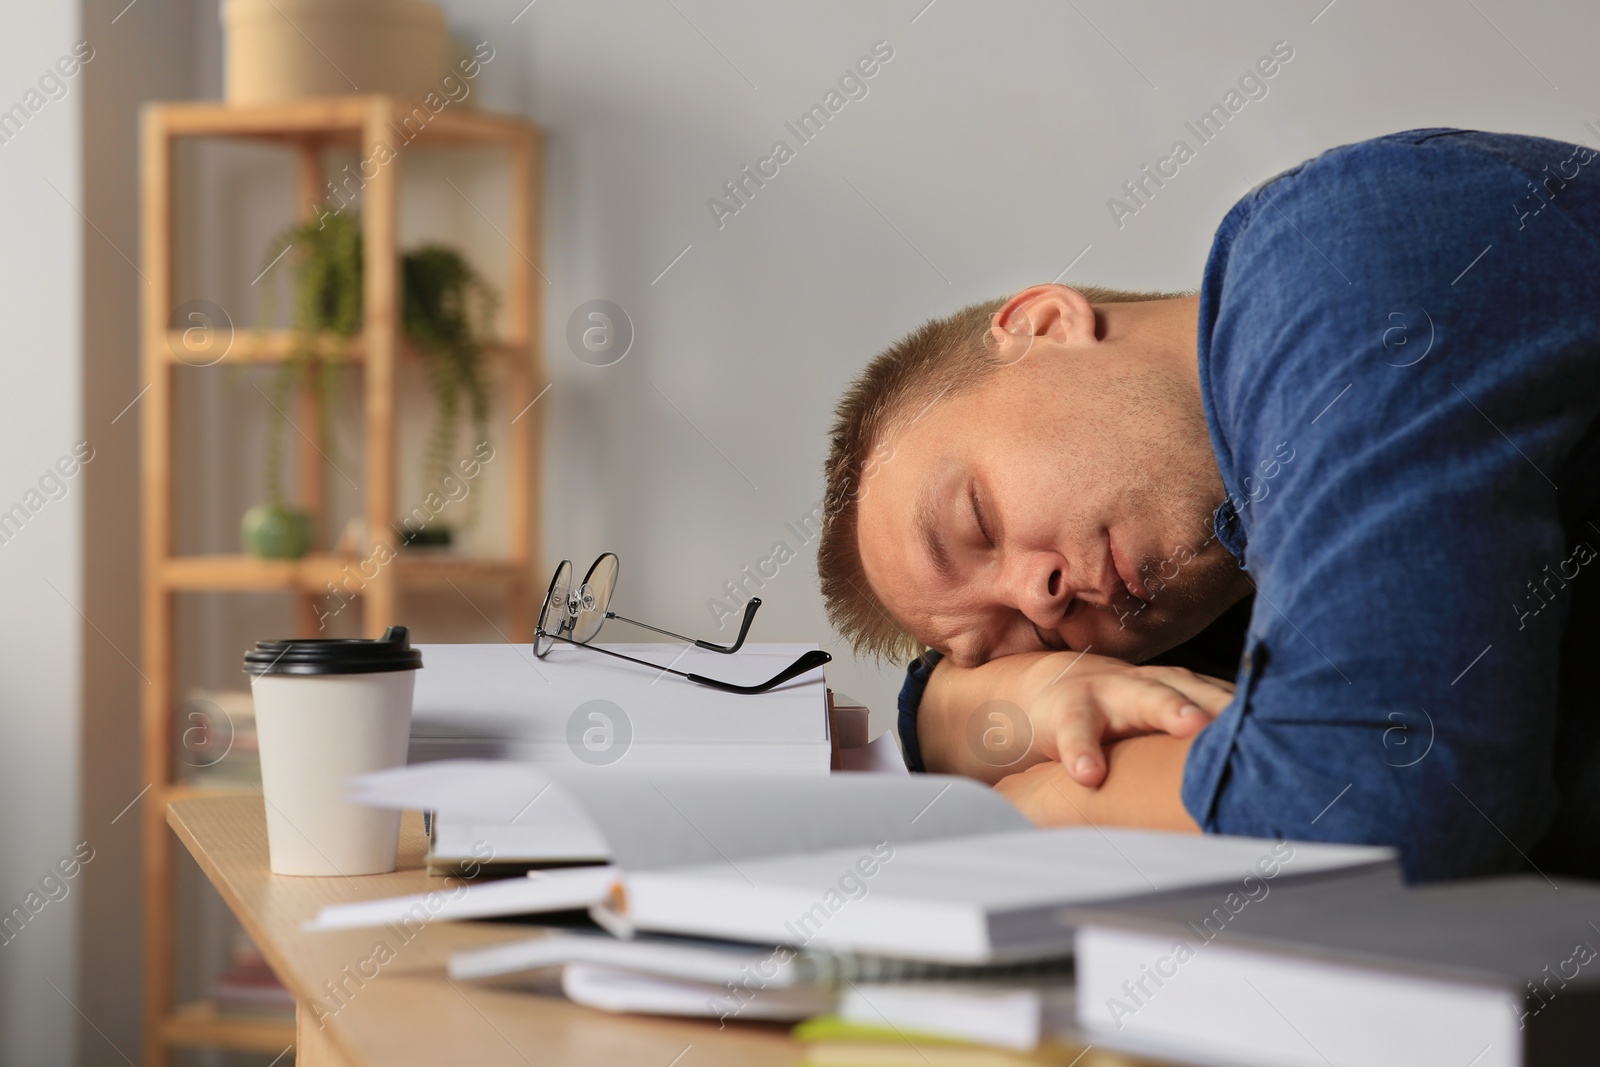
<point x="1142" y="788"/>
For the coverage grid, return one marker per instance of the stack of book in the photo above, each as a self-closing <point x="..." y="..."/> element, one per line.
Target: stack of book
<point x="215" y="746"/>
<point x="923" y="906"/>
<point x="578" y="710"/>
<point x="248" y="988"/>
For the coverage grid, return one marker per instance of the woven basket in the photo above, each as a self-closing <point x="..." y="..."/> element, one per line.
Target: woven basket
<point x="286" y="49"/>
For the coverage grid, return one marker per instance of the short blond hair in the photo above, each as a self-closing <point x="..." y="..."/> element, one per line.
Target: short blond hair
<point x="941" y="357"/>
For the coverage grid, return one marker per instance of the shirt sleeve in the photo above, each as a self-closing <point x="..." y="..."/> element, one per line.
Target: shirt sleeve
<point x="917" y="674"/>
<point x="1404" y="525"/>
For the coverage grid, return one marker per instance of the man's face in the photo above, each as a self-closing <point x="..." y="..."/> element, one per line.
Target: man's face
<point x="1064" y="503"/>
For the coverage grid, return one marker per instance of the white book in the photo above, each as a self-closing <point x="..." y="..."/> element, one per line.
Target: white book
<point x="1009" y="1016"/>
<point x="576" y="707"/>
<point x="1006" y="1016"/>
<point x="610" y="989"/>
<point x="1492" y="972"/>
<point x="456" y="844"/>
<point x="972" y="899"/>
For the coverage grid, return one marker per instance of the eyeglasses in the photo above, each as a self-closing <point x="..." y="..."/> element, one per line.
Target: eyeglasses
<point x="574" y="617"/>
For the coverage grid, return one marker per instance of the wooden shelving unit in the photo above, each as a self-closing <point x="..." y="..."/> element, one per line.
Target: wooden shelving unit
<point x="308" y="128"/>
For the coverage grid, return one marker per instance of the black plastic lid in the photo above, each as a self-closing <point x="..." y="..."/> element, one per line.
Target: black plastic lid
<point x="321" y="655"/>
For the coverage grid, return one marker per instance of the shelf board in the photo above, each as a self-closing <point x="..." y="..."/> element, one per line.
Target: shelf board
<point x="311" y="574"/>
<point x="274" y="346"/>
<point x="338" y="120"/>
<point x="197" y="1025"/>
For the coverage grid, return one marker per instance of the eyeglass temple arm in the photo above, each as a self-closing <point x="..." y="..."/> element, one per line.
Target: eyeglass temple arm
<point x="810" y="661"/>
<point x="744" y="629"/>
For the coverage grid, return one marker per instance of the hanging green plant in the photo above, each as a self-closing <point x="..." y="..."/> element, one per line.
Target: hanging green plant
<point x="325" y="263"/>
<point x="446" y="308"/>
<point x="445" y="311"/>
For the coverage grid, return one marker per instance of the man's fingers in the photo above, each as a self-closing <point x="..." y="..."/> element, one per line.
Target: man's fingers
<point x="1131" y="705"/>
<point x="1211" y="694"/>
<point x="1080" y="733"/>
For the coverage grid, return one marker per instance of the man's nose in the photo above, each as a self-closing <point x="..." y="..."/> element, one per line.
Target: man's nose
<point x="1042" y="589"/>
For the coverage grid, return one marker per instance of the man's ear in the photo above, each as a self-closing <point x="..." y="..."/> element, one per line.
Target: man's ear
<point x="1053" y="312"/>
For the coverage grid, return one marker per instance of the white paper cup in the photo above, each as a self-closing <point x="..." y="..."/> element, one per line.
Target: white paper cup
<point x="326" y="711"/>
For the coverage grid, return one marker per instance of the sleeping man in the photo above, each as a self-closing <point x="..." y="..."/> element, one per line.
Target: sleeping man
<point x="1352" y="485"/>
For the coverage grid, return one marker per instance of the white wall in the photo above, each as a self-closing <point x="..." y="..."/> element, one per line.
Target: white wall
<point x="41" y="570"/>
<point x="981" y="160"/>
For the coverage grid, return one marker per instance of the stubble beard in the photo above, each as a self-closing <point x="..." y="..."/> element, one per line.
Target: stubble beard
<point x="1189" y="588"/>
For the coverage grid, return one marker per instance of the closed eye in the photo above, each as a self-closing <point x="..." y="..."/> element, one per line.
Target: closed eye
<point x="977" y="515"/>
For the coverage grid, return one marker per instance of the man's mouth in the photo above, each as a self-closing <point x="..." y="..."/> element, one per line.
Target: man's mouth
<point x="1129" y="578"/>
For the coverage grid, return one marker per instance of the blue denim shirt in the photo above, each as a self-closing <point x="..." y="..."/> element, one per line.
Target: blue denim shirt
<point x="1399" y="353"/>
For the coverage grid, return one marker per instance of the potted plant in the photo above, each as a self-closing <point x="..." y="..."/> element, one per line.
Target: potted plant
<point x="445" y="310"/>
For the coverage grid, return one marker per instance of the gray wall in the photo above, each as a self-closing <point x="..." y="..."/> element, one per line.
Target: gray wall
<point x="140" y="54"/>
<point x="981" y="159"/>
<point x="42" y="636"/>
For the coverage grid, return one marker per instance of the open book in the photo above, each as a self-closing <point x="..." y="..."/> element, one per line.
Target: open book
<point x="922" y="867"/>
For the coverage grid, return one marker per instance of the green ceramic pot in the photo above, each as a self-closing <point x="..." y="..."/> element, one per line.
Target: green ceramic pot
<point x="277" y="531"/>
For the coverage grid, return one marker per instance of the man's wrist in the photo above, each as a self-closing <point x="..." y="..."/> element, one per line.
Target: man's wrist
<point x="908" y="708"/>
<point x="953" y="695"/>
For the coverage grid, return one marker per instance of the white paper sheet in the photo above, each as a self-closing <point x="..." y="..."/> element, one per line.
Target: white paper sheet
<point x="558" y="890"/>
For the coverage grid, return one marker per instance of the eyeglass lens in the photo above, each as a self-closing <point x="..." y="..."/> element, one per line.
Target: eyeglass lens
<point x="593" y="598"/>
<point x="553" y="616"/>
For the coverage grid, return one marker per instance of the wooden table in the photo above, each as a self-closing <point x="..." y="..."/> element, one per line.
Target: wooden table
<point x="368" y="997"/>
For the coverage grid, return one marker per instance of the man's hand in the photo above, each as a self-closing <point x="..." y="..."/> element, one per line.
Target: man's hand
<point x="1101" y="699"/>
<point x="1009" y="714"/>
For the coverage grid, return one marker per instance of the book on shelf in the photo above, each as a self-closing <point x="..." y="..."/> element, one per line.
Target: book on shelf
<point x="1497" y="972"/>
<point x="248" y="988"/>
<point x="214" y="743"/>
